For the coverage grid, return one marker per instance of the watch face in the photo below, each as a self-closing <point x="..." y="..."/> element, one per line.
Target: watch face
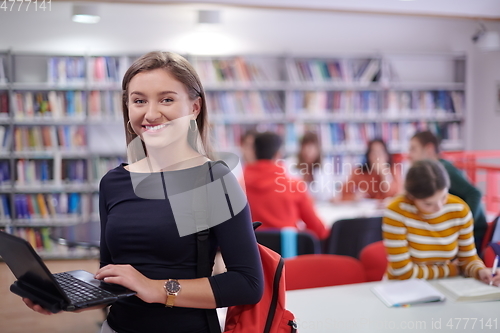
<point x="173" y="286"/>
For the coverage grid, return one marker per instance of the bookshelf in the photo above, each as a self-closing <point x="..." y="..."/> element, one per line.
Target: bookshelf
<point x="56" y="113"/>
<point x="346" y="99"/>
<point x="61" y="126"/>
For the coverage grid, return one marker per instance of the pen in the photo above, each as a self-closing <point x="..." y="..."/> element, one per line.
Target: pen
<point x="494" y="268"/>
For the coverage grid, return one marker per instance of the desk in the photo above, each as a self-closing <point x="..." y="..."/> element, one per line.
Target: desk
<point x="354" y="308"/>
<point x="329" y="213"/>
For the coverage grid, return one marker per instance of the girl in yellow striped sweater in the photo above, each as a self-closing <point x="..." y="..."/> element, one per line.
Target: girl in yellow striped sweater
<point x="428" y="233"/>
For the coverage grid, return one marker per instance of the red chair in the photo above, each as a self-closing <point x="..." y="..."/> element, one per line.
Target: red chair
<point x="374" y="260"/>
<point x="322" y="270"/>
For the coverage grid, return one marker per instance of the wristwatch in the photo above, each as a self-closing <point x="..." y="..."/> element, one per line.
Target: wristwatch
<point x="172" y="288"/>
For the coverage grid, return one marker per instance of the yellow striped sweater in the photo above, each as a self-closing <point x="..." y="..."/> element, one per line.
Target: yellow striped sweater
<point x="423" y="245"/>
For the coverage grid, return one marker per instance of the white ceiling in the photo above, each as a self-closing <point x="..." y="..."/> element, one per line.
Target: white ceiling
<point x="486" y="9"/>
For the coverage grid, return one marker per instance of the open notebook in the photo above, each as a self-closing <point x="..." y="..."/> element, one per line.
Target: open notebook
<point x="407" y="292"/>
<point x="468" y="289"/>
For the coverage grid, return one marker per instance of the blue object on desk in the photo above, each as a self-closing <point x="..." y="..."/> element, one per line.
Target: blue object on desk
<point x="288" y="242"/>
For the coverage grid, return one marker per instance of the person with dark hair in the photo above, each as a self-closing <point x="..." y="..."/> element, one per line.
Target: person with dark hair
<point x="308" y="167"/>
<point x="376" y="178"/>
<point x="428" y="232"/>
<point x="149" y="240"/>
<point x="425" y="145"/>
<point x="276" y="199"/>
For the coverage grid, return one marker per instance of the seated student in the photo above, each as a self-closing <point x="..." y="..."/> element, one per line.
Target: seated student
<point x="425" y="145"/>
<point x="307" y="166"/>
<point x="275" y="198"/>
<point x="377" y="178"/>
<point x="428" y="232"/>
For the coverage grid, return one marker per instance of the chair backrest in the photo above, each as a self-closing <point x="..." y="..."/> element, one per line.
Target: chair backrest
<point x="373" y="257"/>
<point x="307" y="243"/>
<point x="322" y="270"/>
<point x="348" y="237"/>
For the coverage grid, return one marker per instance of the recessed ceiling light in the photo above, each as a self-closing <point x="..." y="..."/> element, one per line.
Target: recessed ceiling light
<point x="85" y="14"/>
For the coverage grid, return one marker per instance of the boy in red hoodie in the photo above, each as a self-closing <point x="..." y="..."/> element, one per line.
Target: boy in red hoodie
<point x="275" y="199"/>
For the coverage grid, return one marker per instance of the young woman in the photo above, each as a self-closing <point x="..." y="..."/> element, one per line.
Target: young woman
<point x="147" y="241"/>
<point x="307" y="166"/>
<point x="378" y="178"/>
<point x="428" y="233"/>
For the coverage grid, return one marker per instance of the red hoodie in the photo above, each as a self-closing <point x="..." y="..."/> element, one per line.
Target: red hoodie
<point x="279" y="201"/>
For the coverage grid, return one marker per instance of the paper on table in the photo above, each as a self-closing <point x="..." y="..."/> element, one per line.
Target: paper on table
<point x="412" y="291"/>
<point x="469" y="289"/>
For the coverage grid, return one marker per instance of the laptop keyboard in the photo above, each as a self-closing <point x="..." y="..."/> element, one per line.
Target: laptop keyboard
<point x="79" y="291"/>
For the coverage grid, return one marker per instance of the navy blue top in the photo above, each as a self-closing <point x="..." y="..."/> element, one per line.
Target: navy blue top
<point x="142" y="232"/>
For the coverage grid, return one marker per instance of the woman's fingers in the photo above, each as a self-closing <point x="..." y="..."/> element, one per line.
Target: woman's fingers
<point x="36" y="307"/>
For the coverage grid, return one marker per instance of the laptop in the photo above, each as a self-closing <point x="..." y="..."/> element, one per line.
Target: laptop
<point x="67" y="291"/>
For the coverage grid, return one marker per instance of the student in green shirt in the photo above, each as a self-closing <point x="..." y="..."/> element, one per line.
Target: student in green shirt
<point x="425" y="145"/>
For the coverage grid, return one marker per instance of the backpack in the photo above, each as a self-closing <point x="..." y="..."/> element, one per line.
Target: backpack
<point x="269" y="314"/>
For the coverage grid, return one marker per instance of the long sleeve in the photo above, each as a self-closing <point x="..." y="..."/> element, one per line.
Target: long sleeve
<point x="426" y="246"/>
<point x="105" y="256"/>
<point x="243" y="281"/>
<point x="469" y="262"/>
<point x="401" y="265"/>
<point x="307" y="214"/>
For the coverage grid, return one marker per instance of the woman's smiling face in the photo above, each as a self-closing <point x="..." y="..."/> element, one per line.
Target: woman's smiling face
<point x="160" y="108"/>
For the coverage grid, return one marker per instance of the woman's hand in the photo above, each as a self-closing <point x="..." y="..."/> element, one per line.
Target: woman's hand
<point x="150" y="291"/>
<point x="36" y="307"/>
<point x="485" y="276"/>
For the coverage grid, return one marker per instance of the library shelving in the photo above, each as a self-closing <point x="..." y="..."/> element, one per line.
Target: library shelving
<point x="61" y="127"/>
<point x="346" y="99"/>
<point x="55" y="111"/>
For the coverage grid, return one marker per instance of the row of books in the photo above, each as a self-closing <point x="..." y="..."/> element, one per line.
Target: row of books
<point x="347" y="137"/>
<point x="394" y="103"/>
<point x="51" y="205"/>
<point x="102" y="165"/>
<point x="67" y="171"/>
<point x="39" y="238"/>
<point x="67" y="104"/>
<point x="431" y="101"/>
<point x="30" y="172"/>
<point x="354" y="136"/>
<point x="235" y="69"/>
<point x="68" y="70"/>
<point x="3" y="77"/>
<point x="5" y="172"/>
<point x="5" y="207"/>
<point x="340" y="70"/>
<point x="105" y="104"/>
<point x="52" y="104"/>
<point x="64" y="70"/>
<point x="5" y="138"/>
<point x="245" y="103"/>
<point x="4" y="104"/>
<point x="40" y="138"/>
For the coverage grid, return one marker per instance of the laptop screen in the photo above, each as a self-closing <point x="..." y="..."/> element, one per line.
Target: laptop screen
<point x="27" y="265"/>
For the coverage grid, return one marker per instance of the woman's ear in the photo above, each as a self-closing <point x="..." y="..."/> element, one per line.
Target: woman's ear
<point x="196" y="107"/>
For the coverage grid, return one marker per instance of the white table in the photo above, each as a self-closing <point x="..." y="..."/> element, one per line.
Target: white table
<point x="330" y="213"/>
<point x="354" y="308"/>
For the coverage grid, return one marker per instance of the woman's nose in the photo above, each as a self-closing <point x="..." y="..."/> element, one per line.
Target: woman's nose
<point x="152" y="114"/>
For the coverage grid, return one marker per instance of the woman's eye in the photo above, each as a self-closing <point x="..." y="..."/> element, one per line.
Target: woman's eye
<point x="139" y="101"/>
<point x="167" y="100"/>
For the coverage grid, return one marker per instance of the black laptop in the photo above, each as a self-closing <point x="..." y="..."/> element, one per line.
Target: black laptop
<point x="67" y="291"/>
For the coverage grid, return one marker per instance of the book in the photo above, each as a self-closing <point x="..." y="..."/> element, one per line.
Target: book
<point x="469" y="289"/>
<point x="407" y="292"/>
